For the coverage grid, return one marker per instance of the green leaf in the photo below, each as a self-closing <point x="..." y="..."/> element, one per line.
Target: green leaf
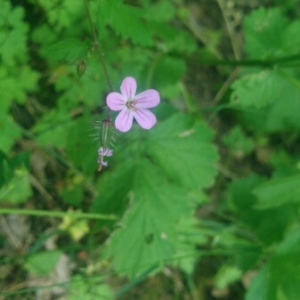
<point x="227" y="275"/>
<point x="237" y="141"/>
<point x="63" y="14"/>
<point x="18" y="189"/>
<point x="72" y="195"/>
<point x="10" y="131"/>
<point x="162" y="11"/>
<point x="14" y="83"/>
<point x="126" y="21"/>
<point x="13" y="34"/>
<point x="262" y="286"/>
<point x="53" y="128"/>
<point x="246" y="255"/>
<point x="81" y="147"/>
<point x="147" y="232"/>
<point x="269" y="34"/>
<point x="190" y="237"/>
<point x="170" y="38"/>
<point x="88" y="289"/>
<point x="68" y="50"/>
<point x="113" y="188"/>
<point x="242" y="202"/>
<point x="168" y="71"/>
<point x="266" y="87"/>
<point x="270" y="283"/>
<point x="6" y="172"/>
<point x="182" y="148"/>
<point x="275" y="93"/>
<point x="278" y="192"/>
<point x="42" y="263"/>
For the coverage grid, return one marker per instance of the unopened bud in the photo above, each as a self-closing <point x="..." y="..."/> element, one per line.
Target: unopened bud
<point x="81" y="68"/>
<point x="106" y="135"/>
<point x="106" y="140"/>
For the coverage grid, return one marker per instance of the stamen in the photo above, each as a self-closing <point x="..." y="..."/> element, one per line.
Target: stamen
<point x="131" y="104"/>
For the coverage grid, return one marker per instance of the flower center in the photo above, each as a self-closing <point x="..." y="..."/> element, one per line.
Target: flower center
<point x="130" y="104"/>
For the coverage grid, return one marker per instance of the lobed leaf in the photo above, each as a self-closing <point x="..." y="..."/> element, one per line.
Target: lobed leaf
<point x="273" y="96"/>
<point x="183" y="150"/>
<point x="126" y="20"/>
<point x="269" y="34"/>
<point x="147" y="233"/>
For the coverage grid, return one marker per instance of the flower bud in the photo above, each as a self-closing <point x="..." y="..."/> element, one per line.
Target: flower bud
<point x="81" y="68"/>
<point x="106" y="135"/>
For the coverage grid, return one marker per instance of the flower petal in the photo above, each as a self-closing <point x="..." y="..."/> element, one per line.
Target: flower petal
<point x="145" y="118"/>
<point x="128" y="87"/>
<point x="115" y="101"/>
<point x="124" y="120"/>
<point x="147" y="99"/>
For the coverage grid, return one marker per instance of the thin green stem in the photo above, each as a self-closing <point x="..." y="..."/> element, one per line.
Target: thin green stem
<point x="190" y="102"/>
<point x="136" y="281"/>
<point x="97" y="46"/>
<point x="248" y="62"/>
<point x="56" y="214"/>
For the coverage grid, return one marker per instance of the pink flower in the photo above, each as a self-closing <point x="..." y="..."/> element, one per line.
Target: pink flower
<point x="132" y="106"/>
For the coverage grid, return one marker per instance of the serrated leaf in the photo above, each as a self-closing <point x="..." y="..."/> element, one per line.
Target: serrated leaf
<point x="147" y="232"/>
<point x="15" y="83"/>
<point x="275" y="93"/>
<point x="63" y="14"/>
<point x="278" y="192"/>
<point x="265" y="30"/>
<point x="263" y="88"/>
<point x="68" y="50"/>
<point x="126" y="21"/>
<point x="189" y="238"/>
<point x="42" y="263"/>
<point x="183" y="150"/>
<point x="13" y="34"/>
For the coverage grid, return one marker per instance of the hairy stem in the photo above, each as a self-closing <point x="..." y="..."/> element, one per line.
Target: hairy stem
<point x="97" y="46"/>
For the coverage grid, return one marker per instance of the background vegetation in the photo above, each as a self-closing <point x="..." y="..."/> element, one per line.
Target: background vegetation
<point x="203" y="206"/>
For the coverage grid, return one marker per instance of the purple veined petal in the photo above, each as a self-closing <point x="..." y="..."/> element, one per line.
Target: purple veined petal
<point x="128" y="87"/>
<point x="124" y="120"/>
<point x="145" y="118"/>
<point x="147" y="99"/>
<point x="115" y="101"/>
